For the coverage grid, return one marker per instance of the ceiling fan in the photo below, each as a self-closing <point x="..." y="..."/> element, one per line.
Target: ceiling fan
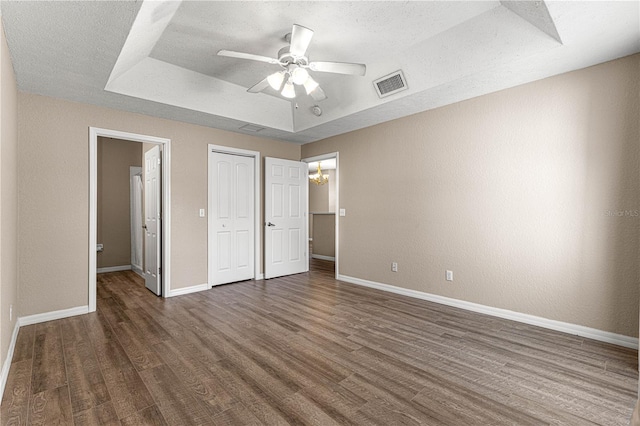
<point x="295" y="66"/>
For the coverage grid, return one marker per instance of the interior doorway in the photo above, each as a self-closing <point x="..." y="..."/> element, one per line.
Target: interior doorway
<point x="164" y="203"/>
<point x="324" y="211"/>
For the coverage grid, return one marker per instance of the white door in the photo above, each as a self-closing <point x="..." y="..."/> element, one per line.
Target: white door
<point x="137" y="234"/>
<point x="285" y="215"/>
<point x="152" y="220"/>
<point x="231" y="218"/>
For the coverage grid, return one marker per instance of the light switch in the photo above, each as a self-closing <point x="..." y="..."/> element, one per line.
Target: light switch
<point x="201" y="212"/>
<point x="343" y="212"/>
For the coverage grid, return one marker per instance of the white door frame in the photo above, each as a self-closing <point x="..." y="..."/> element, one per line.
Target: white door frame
<point x="257" y="275"/>
<point x="94" y="133"/>
<point x="327" y="156"/>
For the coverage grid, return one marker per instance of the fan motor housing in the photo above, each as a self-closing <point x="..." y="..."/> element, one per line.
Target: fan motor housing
<point x="285" y="57"/>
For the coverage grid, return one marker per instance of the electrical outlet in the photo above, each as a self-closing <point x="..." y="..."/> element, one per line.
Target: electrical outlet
<point x="449" y="275"/>
<point x="11" y="312"/>
<point x="394" y="267"/>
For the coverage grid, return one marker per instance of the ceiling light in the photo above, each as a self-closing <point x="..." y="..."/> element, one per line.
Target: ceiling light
<point x="310" y="85"/>
<point x="318" y="178"/>
<point x="275" y="80"/>
<point x="299" y="75"/>
<point x="289" y="91"/>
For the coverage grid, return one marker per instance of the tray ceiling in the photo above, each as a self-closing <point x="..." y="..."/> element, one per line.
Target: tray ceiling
<point x="159" y="58"/>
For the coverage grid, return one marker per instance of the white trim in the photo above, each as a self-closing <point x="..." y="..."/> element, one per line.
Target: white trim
<point x="575" y="329"/>
<point x="327" y="156"/>
<point x="28" y="320"/>
<point x="137" y="271"/>
<point x="187" y="290"/>
<point x="54" y="315"/>
<point x="114" y="269"/>
<point x="94" y="133"/>
<point x="256" y="206"/>
<point x="260" y="277"/>
<point x="4" y="375"/>
<point x="323" y="257"/>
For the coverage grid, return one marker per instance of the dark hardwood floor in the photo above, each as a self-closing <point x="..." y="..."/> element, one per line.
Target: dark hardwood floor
<point x="306" y="349"/>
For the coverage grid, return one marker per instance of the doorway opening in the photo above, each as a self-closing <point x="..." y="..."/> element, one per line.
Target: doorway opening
<point x="119" y="167"/>
<point x="163" y="223"/>
<point x="323" y="213"/>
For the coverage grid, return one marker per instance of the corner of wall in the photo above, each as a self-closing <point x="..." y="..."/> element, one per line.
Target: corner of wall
<point x="8" y="208"/>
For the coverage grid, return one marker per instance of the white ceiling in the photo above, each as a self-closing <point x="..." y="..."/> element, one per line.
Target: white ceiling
<point x="328" y="164"/>
<point x="159" y="58"/>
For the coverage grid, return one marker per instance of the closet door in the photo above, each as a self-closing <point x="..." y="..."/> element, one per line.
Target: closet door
<point x="231" y="217"/>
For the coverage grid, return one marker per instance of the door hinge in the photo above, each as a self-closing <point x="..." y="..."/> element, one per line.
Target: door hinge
<point x="160" y="271"/>
<point x="158" y="160"/>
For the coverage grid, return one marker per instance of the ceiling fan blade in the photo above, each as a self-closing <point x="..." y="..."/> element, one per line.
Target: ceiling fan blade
<point x="250" y="56"/>
<point x="258" y="87"/>
<point x="339" y="68"/>
<point x="318" y="94"/>
<point x="300" y="39"/>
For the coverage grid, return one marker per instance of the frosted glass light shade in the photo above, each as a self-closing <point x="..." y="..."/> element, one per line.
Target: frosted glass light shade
<point x="289" y="91"/>
<point x="275" y="80"/>
<point x="299" y="76"/>
<point x="310" y="85"/>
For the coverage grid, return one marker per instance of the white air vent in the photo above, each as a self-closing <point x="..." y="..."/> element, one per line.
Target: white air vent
<point x="251" y="128"/>
<point x="390" y="84"/>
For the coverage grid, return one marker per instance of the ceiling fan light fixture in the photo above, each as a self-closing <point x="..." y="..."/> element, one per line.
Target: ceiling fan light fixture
<point x="310" y="85"/>
<point x="299" y="76"/>
<point x="289" y="91"/>
<point x="275" y="80"/>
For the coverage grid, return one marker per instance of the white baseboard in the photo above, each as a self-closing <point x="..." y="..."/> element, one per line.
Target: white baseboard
<point x="323" y="257"/>
<point x="187" y="290"/>
<point x="34" y="319"/>
<point x="4" y="374"/>
<point x="113" y="269"/>
<point x="50" y="316"/>
<point x="575" y="329"/>
<point x="137" y="271"/>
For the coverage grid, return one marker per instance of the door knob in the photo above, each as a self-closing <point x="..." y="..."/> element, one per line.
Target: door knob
<point x="271" y="224"/>
<point x="144" y="226"/>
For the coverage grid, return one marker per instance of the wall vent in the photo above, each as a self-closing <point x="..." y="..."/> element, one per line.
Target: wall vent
<point x="251" y="128"/>
<point x="390" y="84"/>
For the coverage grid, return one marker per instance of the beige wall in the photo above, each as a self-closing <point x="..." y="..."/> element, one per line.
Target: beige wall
<point x="8" y="198"/>
<point x="324" y="231"/>
<point x="115" y="157"/>
<point x="318" y="198"/>
<point x="510" y="191"/>
<point x="54" y="194"/>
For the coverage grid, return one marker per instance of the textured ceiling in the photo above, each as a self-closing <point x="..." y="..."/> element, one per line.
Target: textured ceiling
<point x="159" y="58"/>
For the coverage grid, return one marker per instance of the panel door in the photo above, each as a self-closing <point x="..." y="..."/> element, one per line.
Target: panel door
<point x="286" y="230"/>
<point x="231" y="218"/>
<point x="152" y="222"/>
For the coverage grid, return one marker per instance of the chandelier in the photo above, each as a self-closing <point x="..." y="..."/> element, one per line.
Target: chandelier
<point x="318" y="178"/>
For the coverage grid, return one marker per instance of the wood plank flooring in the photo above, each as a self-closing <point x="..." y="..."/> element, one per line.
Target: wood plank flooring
<point x="306" y="349"/>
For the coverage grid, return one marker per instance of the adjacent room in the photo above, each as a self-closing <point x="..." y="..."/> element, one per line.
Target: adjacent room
<point x="352" y="213"/>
